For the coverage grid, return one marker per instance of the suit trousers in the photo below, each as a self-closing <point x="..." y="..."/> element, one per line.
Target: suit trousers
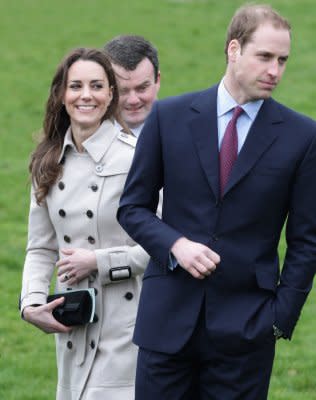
<point x="200" y="372"/>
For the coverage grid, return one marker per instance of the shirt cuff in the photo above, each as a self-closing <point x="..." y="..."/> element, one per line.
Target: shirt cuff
<point x="173" y="263"/>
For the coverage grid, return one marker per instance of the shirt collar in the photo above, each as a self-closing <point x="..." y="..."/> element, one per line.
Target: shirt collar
<point x="135" y="131"/>
<point x="97" y="144"/>
<point x="226" y="103"/>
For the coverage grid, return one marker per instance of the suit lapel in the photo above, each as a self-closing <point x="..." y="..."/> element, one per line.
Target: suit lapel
<point x="260" y="137"/>
<point x="203" y="126"/>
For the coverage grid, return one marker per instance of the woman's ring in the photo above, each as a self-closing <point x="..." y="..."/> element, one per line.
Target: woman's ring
<point x="66" y="277"/>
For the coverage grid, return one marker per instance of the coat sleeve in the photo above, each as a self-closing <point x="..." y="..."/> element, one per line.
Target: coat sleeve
<point x="138" y="204"/>
<point x="300" y="260"/>
<point x="120" y="256"/>
<point x="41" y="255"/>
<point x="134" y="257"/>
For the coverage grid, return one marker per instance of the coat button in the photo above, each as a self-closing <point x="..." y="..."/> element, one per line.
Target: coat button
<point x="91" y="240"/>
<point x="67" y="239"/>
<point x="94" y="187"/>
<point x="95" y="318"/>
<point x="129" y="296"/>
<point x="92" y="344"/>
<point x="89" y="214"/>
<point x="99" y="168"/>
<point x="215" y="238"/>
<point x="61" y="185"/>
<point x="62" y="213"/>
<point x="69" y="344"/>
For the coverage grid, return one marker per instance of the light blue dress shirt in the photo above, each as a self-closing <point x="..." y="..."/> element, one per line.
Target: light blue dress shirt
<point x="225" y="107"/>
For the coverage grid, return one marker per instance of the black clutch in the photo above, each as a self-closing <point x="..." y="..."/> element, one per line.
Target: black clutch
<point x="77" y="309"/>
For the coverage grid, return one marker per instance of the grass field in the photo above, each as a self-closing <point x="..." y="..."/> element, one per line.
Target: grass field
<point x="35" y="34"/>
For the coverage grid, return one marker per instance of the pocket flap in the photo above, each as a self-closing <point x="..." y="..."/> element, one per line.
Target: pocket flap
<point x="267" y="276"/>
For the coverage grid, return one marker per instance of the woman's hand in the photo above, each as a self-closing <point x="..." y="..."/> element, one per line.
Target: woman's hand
<point x="76" y="265"/>
<point x="42" y="317"/>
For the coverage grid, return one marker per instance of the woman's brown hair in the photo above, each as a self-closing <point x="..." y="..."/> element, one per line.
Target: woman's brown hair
<point x="44" y="166"/>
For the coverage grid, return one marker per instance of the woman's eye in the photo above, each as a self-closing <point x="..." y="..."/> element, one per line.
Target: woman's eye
<point x="74" y="86"/>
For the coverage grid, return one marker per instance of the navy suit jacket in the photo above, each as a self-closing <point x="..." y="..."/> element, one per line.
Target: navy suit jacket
<point x="272" y="183"/>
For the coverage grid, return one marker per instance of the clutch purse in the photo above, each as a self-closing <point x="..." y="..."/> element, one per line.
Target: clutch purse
<point x="78" y="307"/>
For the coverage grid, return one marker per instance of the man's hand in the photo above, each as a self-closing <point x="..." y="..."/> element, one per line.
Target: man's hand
<point x="196" y="258"/>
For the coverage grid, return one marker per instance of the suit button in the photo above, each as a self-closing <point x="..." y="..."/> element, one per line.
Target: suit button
<point x="89" y="214"/>
<point x="61" y="185"/>
<point x="69" y="344"/>
<point x="67" y="239"/>
<point x="99" y="168"/>
<point x="91" y="240"/>
<point x="215" y="238"/>
<point x="94" y="187"/>
<point x="62" y="213"/>
<point x="129" y="296"/>
<point x="92" y="344"/>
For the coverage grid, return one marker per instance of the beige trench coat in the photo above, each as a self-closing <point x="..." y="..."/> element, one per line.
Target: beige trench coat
<point x="96" y="361"/>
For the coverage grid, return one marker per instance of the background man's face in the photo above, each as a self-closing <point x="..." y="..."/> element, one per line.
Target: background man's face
<point x="137" y="92"/>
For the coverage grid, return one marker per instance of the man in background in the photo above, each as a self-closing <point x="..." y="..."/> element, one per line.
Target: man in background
<point x="136" y="66"/>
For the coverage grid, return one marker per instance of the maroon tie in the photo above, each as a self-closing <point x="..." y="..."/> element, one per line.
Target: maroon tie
<point x="229" y="149"/>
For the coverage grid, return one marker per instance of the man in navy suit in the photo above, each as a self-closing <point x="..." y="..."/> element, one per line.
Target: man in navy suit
<point x="213" y="300"/>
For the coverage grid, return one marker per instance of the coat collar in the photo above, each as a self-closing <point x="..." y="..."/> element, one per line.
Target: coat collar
<point x="204" y="130"/>
<point x="97" y="144"/>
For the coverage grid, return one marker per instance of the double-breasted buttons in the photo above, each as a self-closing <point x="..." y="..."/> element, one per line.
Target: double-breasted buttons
<point x="69" y="344"/>
<point x="128" y="296"/>
<point x="91" y="239"/>
<point x="89" y="214"/>
<point x="67" y="239"/>
<point x="61" y="185"/>
<point x="62" y="213"/>
<point x="92" y="344"/>
<point x="94" y="187"/>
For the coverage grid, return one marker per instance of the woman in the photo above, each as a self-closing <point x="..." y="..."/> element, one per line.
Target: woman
<point x="78" y="172"/>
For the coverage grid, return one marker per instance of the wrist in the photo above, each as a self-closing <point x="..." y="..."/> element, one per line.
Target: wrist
<point x="26" y="309"/>
<point x="176" y="245"/>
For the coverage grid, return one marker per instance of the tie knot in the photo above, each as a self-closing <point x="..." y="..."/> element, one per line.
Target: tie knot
<point x="237" y="111"/>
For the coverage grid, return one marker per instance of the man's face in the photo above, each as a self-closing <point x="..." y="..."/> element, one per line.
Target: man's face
<point x="137" y="92"/>
<point x="254" y="71"/>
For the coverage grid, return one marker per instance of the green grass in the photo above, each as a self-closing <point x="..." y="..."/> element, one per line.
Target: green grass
<point x="35" y="34"/>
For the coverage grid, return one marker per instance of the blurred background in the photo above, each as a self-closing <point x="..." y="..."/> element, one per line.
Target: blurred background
<point x="190" y="37"/>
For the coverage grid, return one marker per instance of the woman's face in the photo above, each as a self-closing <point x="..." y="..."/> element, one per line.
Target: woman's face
<point x="87" y="94"/>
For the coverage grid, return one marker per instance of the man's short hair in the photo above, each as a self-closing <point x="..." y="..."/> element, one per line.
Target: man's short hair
<point x="248" y="18"/>
<point x="128" y="51"/>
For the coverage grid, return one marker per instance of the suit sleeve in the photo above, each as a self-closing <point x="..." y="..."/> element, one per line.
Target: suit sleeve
<point x="41" y="255"/>
<point x="137" y="210"/>
<point x="300" y="259"/>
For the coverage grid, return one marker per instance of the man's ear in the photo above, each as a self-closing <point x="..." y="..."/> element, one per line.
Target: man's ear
<point x="233" y="50"/>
